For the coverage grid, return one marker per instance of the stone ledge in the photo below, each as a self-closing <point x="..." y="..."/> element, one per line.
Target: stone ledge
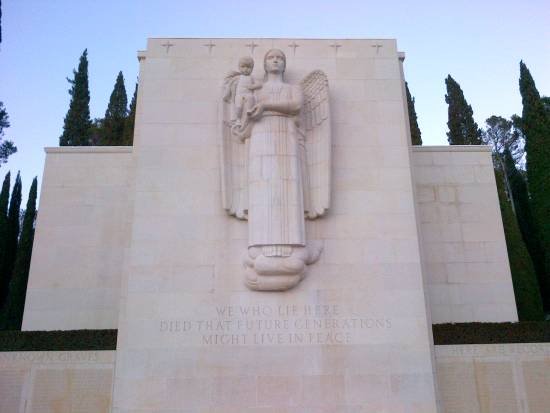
<point x="89" y="149"/>
<point x="452" y="148"/>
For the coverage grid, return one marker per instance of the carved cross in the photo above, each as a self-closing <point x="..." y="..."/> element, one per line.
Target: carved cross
<point x="252" y="46"/>
<point x="210" y="45"/>
<point x="378" y="46"/>
<point x="294" y="45"/>
<point x="167" y="46"/>
<point x="336" y="46"/>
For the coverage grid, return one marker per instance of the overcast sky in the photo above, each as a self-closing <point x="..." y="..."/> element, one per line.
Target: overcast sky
<point x="480" y="43"/>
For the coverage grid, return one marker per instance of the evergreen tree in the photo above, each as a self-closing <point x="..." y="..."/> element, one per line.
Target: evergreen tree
<point x="11" y="240"/>
<point x="115" y="116"/>
<point x="4" y="198"/>
<point x="526" y="291"/>
<point x="128" y="137"/>
<point x="76" y="129"/>
<point x="15" y="304"/>
<point x="7" y="148"/>
<point x="462" y="128"/>
<point x="535" y="122"/>
<point x="526" y="224"/>
<point x="416" y="136"/>
<point x="4" y="201"/>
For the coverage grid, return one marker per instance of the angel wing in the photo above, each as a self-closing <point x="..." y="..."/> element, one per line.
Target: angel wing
<point x="233" y="157"/>
<point x="316" y="156"/>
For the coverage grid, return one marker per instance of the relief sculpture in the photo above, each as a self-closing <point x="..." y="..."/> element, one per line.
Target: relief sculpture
<point x="276" y="153"/>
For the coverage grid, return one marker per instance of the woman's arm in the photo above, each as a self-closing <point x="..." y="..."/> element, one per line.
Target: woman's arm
<point x="290" y="107"/>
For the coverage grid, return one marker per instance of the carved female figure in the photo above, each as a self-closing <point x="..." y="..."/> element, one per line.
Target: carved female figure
<point x="283" y="174"/>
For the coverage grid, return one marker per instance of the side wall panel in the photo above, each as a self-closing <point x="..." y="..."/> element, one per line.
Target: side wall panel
<point x="81" y="233"/>
<point x="467" y="273"/>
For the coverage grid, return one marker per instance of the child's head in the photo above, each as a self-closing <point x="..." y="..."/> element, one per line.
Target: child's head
<point x="246" y="64"/>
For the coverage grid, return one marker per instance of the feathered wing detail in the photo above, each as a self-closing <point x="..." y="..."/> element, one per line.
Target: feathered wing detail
<point x="229" y="85"/>
<point x="233" y="157"/>
<point x="316" y="153"/>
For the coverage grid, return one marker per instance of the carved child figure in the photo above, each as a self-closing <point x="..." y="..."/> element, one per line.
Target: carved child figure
<point x="244" y="86"/>
<point x="244" y="93"/>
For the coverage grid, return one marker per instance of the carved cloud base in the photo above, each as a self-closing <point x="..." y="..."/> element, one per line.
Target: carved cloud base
<point x="278" y="268"/>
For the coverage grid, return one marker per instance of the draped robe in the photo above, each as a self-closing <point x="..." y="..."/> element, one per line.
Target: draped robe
<point x="275" y="176"/>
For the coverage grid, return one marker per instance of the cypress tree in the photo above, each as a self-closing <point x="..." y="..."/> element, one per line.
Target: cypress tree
<point x="115" y="116"/>
<point x="4" y="201"/>
<point x="526" y="291"/>
<point x="76" y="129"/>
<point x="7" y="148"/>
<point x="128" y="138"/>
<point x="11" y="239"/>
<point x="13" y="315"/>
<point x="535" y="123"/>
<point x="463" y="130"/>
<point x="527" y="227"/>
<point x="416" y="136"/>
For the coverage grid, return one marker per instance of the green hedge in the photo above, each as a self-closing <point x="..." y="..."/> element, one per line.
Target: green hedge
<point x="70" y="340"/>
<point x="492" y="333"/>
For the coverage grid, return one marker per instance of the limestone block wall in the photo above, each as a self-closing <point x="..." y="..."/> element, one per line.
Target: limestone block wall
<point x="185" y="259"/>
<point x="496" y="378"/>
<point x="56" y="381"/>
<point x="81" y="232"/>
<point x="465" y="261"/>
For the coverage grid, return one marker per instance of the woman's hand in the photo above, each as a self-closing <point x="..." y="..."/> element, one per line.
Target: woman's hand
<point x="256" y="111"/>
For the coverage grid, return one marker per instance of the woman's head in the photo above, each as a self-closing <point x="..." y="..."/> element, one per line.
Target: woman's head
<point x="275" y="61"/>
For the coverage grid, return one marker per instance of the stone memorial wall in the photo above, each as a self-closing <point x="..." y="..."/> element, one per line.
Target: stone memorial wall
<point x="465" y="263"/>
<point x="471" y="379"/>
<point x="56" y="381"/>
<point x="190" y="319"/>
<point x="271" y="242"/>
